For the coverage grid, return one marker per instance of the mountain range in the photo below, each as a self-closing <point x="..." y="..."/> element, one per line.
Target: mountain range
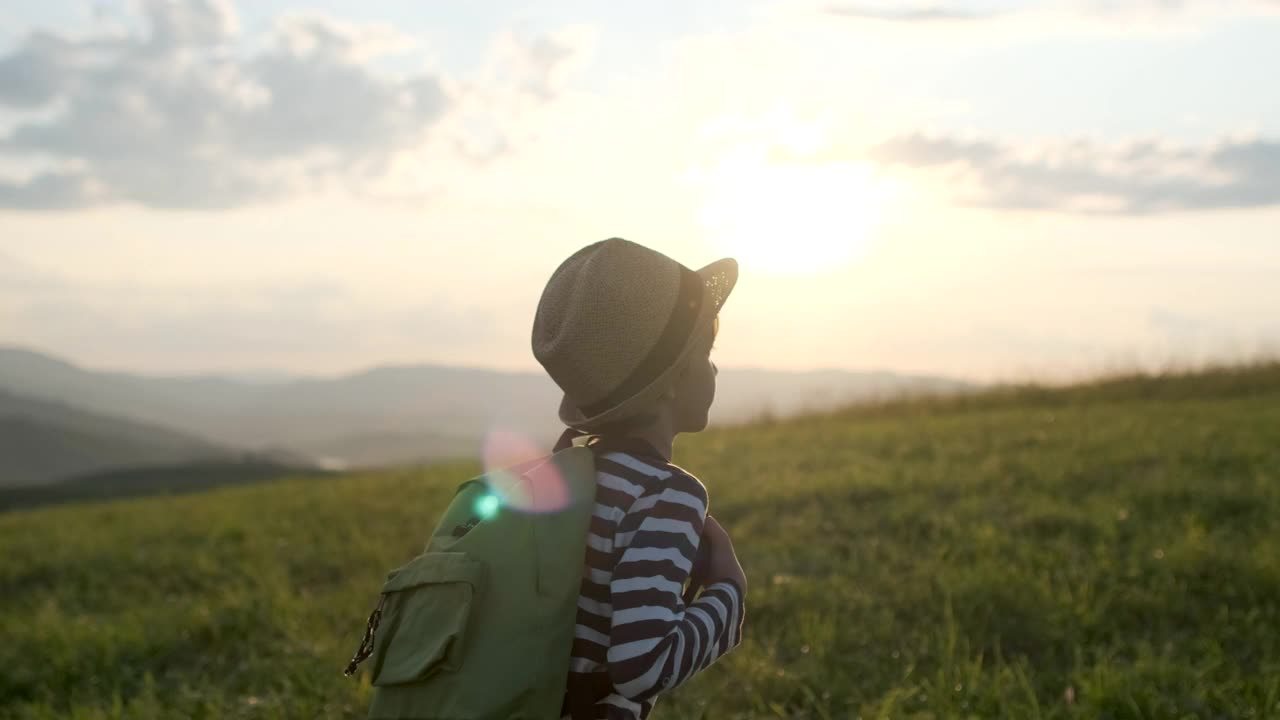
<point x="382" y="416"/>
<point x="41" y="440"/>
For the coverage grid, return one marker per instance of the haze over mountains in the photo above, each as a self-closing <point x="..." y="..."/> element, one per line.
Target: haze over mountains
<point x="42" y="440"/>
<point x="382" y="416"/>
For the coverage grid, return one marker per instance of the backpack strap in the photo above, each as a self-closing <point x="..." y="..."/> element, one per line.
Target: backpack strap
<point x="583" y="691"/>
<point x="567" y="437"/>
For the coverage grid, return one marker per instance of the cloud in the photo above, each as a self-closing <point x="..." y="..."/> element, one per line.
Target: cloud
<point x="1104" y="10"/>
<point x="520" y="70"/>
<point x="898" y="13"/>
<point x="538" y="60"/>
<point x="37" y="73"/>
<point x="182" y="116"/>
<point x="48" y="191"/>
<point x="1140" y="178"/>
<point x="185" y="23"/>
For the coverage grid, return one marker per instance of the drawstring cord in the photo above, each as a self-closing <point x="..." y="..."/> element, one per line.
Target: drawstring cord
<point x="366" y="644"/>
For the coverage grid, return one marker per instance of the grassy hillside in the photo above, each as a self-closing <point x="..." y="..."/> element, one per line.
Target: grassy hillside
<point x="1107" y="551"/>
<point x="43" y="441"/>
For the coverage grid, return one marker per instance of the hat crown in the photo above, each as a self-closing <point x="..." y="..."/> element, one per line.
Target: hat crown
<point x="602" y="312"/>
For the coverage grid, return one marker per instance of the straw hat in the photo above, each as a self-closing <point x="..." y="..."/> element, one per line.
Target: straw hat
<point x="615" y="322"/>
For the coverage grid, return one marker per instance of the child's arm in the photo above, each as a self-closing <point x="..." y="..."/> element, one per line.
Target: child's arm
<point x="656" y="642"/>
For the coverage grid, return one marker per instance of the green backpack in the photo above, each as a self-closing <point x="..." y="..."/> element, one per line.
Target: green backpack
<point x="481" y="624"/>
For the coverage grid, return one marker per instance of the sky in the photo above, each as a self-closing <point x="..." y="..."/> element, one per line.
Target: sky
<point x="987" y="190"/>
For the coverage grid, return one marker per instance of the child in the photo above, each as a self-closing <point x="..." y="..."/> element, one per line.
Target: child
<point x="627" y="333"/>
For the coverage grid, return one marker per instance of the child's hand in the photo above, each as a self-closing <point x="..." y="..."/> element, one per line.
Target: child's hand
<point x="723" y="563"/>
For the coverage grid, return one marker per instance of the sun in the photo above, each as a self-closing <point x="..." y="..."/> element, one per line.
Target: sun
<point x="793" y="218"/>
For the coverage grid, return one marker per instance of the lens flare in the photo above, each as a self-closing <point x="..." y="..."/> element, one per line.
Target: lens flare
<point x="487" y="506"/>
<point x="519" y="477"/>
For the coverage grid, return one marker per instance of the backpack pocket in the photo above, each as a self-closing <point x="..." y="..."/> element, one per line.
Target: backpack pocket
<point x="426" y="604"/>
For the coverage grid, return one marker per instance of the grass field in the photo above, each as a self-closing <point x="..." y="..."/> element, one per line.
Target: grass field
<point x="1108" y="551"/>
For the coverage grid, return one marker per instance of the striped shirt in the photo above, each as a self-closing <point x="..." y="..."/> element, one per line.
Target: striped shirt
<point x="632" y="621"/>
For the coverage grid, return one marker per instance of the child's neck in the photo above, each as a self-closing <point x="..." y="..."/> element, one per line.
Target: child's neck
<point x="659" y="434"/>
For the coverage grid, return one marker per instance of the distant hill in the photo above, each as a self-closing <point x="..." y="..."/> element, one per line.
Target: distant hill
<point x="42" y="441"/>
<point x="159" y="480"/>
<point x="399" y="414"/>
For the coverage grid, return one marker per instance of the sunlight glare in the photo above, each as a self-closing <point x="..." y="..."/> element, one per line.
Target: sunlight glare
<point x="793" y="218"/>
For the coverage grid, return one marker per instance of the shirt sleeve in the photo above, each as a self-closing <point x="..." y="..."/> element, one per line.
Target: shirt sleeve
<point x="657" y="642"/>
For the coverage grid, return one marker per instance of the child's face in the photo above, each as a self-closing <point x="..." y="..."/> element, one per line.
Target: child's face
<point x="696" y="389"/>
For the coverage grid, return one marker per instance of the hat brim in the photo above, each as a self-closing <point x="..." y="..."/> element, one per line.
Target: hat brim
<point x="719" y="277"/>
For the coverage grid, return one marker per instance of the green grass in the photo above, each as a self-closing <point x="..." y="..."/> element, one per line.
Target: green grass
<point x="1108" y="551"/>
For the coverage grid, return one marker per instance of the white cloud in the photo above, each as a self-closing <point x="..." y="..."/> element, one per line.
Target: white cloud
<point x="1137" y="178"/>
<point x="900" y="12"/>
<point x="177" y="24"/>
<point x="181" y="115"/>
<point x="960" y="13"/>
